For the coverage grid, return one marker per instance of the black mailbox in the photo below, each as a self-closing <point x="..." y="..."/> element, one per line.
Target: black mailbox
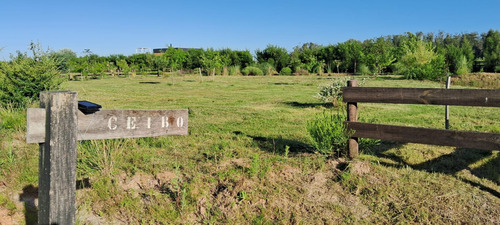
<point x="87" y="107"/>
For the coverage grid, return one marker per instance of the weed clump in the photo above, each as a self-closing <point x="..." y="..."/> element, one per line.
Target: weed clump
<point x="251" y="70"/>
<point x="333" y="91"/>
<point x="328" y="133"/>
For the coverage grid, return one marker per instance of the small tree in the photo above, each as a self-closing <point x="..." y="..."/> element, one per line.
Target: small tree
<point x="175" y="58"/>
<point x="123" y="67"/>
<point x="25" y="77"/>
<point x="63" y="58"/>
<point x="419" y="61"/>
<point x="492" y="51"/>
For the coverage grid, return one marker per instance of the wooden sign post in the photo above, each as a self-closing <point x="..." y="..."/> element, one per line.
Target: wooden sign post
<point x="57" y="126"/>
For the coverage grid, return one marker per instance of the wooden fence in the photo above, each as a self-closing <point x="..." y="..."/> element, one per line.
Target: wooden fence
<point x="57" y="126"/>
<point x="352" y="94"/>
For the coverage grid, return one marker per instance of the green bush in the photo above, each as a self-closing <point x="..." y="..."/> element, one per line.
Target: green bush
<point x="328" y="133"/>
<point x="234" y="70"/>
<point x="363" y="69"/>
<point x="462" y="67"/>
<point x="251" y="70"/>
<point x="24" y="77"/>
<point x="333" y="91"/>
<point x="420" y="61"/>
<point x="267" y="68"/>
<point x="286" y="71"/>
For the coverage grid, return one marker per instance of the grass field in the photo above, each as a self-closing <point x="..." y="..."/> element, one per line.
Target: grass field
<point x="248" y="160"/>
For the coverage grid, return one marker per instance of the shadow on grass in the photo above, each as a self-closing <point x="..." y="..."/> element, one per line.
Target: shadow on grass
<point x="390" y="77"/>
<point x="30" y="194"/>
<point x="278" y="145"/>
<point x="308" y="105"/>
<point x="449" y="164"/>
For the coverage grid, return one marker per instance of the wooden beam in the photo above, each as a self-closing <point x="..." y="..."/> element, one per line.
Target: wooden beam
<point x="433" y="96"/>
<point x="110" y="124"/>
<point x="57" y="161"/>
<point x="465" y="139"/>
<point x="352" y="116"/>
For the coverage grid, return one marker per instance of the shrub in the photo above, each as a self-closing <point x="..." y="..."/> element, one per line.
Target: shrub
<point x="251" y="70"/>
<point x="286" y="71"/>
<point x="328" y="133"/>
<point x="25" y="77"/>
<point x="267" y="68"/>
<point x="363" y="69"/>
<point x="234" y="70"/>
<point x="300" y="71"/>
<point x="420" y="61"/>
<point x="333" y="91"/>
<point x="462" y="67"/>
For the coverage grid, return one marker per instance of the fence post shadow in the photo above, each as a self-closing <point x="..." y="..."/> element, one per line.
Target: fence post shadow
<point x="29" y="198"/>
<point x="449" y="164"/>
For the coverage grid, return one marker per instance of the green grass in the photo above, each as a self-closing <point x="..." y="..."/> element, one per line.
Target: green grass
<point x="248" y="159"/>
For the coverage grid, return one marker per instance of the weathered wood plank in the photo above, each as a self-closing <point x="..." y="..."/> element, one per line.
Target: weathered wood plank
<point x="352" y="116"/>
<point x="434" y="96"/>
<point x="110" y="124"/>
<point x="465" y="139"/>
<point x="35" y="125"/>
<point x="57" y="162"/>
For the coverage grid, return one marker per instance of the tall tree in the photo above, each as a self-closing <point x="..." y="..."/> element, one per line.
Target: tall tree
<point x="352" y="54"/>
<point x="379" y="54"/>
<point x="492" y="51"/>
<point x="278" y="57"/>
<point x="63" y="58"/>
<point x="174" y="57"/>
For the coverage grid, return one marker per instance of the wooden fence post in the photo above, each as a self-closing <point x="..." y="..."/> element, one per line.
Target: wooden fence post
<point x="352" y="116"/>
<point x="447" y="107"/>
<point x="57" y="163"/>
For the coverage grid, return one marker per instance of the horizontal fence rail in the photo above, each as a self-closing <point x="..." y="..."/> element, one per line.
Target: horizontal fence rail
<point x="465" y="139"/>
<point x="432" y="96"/>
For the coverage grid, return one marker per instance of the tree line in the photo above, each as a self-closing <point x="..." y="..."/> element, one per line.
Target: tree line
<point x="417" y="56"/>
<point x="430" y="56"/>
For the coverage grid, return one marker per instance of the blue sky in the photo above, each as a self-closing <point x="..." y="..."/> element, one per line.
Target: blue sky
<point x="119" y="27"/>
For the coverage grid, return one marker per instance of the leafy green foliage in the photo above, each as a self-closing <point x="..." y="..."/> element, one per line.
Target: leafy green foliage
<point x="286" y="71"/>
<point x="252" y="70"/>
<point x="234" y="70"/>
<point x="492" y="51"/>
<point x="174" y="58"/>
<point x="63" y="58"/>
<point x="363" y="69"/>
<point x="328" y="133"/>
<point x="352" y="54"/>
<point x="379" y="55"/>
<point x="267" y="68"/>
<point x="24" y="77"/>
<point x="332" y="92"/>
<point x="304" y="58"/>
<point x="278" y="57"/>
<point x="419" y="61"/>
<point x="462" y="66"/>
